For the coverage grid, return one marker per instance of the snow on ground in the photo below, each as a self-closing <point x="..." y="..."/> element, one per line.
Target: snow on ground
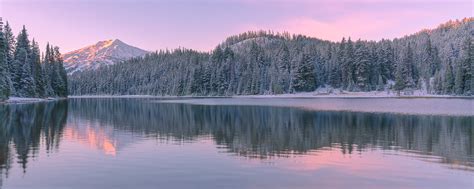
<point x="22" y="100"/>
<point x="116" y="96"/>
<point x="320" y="92"/>
<point x="346" y="94"/>
<point x="328" y="91"/>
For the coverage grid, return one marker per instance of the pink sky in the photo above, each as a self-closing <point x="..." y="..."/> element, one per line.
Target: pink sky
<point x="202" y="24"/>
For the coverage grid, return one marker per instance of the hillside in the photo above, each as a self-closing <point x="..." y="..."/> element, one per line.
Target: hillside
<point x="436" y="61"/>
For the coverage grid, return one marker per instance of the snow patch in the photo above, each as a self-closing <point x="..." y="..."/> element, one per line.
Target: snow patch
<point x="23" y="100"/>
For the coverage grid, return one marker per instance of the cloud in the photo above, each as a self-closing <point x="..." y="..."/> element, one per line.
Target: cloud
<point x="357" y="25"/>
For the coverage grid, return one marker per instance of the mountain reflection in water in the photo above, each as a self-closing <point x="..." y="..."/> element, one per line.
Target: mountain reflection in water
<point x="28" y="131"/>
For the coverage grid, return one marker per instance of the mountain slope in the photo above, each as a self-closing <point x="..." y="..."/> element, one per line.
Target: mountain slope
<point x="102" y="53"/>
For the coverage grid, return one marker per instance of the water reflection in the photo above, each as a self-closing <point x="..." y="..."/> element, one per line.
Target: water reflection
<point x="253" y="132"/>
<point x="26" y="127"/>
<point x="262" y="132"/>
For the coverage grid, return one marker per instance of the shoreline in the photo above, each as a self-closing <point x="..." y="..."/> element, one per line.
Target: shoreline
<point x="417" y="105"/>
<point x="21" y="100"/>
<point x="281" y="96"/>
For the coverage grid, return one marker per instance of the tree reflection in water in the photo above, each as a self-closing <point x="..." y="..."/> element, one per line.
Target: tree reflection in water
<point x="248" y="131"/>
<point x="26" y="127"/>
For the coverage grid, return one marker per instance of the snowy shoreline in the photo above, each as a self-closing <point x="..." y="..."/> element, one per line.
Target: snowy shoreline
<point x="296" y="95"/>
<point x="350" y="95"/>
<point x="354" y="102"/>
<point x="21" y="100"/>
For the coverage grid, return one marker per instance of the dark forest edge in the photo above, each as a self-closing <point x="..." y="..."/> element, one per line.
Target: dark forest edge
<point x="437" y="61"/>
<point x="24" y="72"/>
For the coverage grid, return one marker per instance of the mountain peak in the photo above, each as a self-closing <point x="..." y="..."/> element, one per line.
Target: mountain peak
<point x="102" y="53"/>
<point x="115" y="41"/>
<point x="108" y="43"/>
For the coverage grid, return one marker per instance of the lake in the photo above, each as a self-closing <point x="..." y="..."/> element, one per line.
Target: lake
<point x="237" y="143"/>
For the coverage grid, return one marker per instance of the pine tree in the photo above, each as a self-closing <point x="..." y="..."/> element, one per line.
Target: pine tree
<point x="10" y="50"/>
<point x="25" y="83"/>
<point x="467" y="64"/>
<point x="471" y="61"/>
<point x="438" y="84"/>
<point x="23" y="80"/>
<point x="4" y="75"/>
<point x="427" y="60"/>
<point x="464" y="72"/>
<point x="361" y="64"/>
<point x="216" y="61"/>
<point x="61" y="78"/>
<point x="304" y="77"/>
<point x="380" y="84"/>
<point x="374" y="68"/>
<point x="285" y="68"/>
<point x="459" y="80"/>
<point x="448" y="79"/>
<point x="403" y="75"/>
<point x="399" y="78"/>
<point x="47" y="71"/>
<point x="196" y="82"/>
<point x="334" y="77"/>
<point x="347" y="67"/>
<point x="37" y="70"/>
<point x="408" y="68"/>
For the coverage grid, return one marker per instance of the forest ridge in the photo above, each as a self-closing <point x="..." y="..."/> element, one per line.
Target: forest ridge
<point x="437" y="61"/>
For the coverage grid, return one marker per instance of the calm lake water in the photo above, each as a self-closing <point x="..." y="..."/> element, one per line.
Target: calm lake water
<point x="150" y="143"/>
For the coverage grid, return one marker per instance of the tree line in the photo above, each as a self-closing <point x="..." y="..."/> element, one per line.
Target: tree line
<point x="437" y="61"/>
<point x="24" y="72"/>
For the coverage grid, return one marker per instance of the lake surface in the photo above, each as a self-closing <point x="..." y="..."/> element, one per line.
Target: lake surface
<point x="245" y="143"/>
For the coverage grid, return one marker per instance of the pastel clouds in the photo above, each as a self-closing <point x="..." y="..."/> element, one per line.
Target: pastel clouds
<point x="202" y="24"/>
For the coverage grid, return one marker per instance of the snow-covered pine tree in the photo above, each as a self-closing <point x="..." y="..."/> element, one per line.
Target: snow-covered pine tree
<point x="403" y="75"/>
<point x="408" y="70"/>
<point x="285" y="68"/>
<point x="380" y="84"/>
<point x="334" y="78"/>
<point x="37" y="70"/>
<point x="25" y="83"/>
<point x="361" y="65"/>
<point x="471" y="61"/>
<point x="459" y="79"/>
<point x="448" y="79"/>
<point x="399" y="78"/>
<point x="438" y="83"/>
<point x="4" y="75"/>
<point x="304" y="76"/>
<point x="10" y="51"/>
<point x="387" y="62"/>
<point x="61" y="83"/>
<point x="467" y="64"/>
<point x="347" y="63"/>
<point x="23" y="80"/>
<point x="464" y="72"/>
<point x="48" y="69"/>
<point x="54" y="73"/>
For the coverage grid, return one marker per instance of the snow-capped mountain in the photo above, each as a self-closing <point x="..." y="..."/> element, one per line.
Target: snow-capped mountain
<point x="102" y="53"/>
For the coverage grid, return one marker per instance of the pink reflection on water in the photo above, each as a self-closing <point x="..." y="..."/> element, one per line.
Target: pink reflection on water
<point x="94" y="138"/>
